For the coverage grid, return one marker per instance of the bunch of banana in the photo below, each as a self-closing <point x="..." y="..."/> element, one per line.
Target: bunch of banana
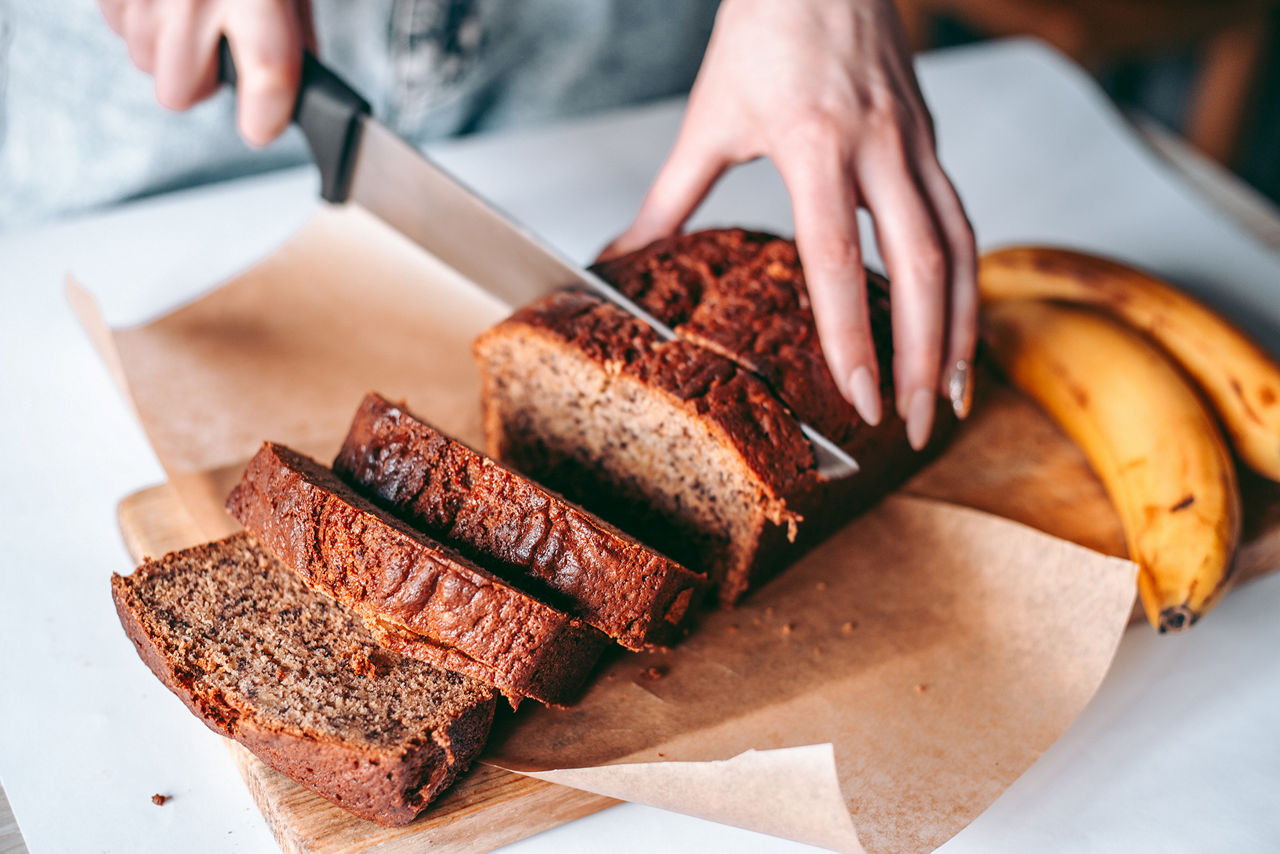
<point x="1141" y="424"/>
<point x="1237" y="377"/>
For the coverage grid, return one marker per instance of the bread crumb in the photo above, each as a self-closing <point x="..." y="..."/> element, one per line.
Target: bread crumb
<point x="653" y="674"/>
<point x="921" y="687"/>
<point x="788" y="628"/>
<point x="159" y="799"/>
<point x="362" y="666"/>
<point x="369" y="664"/>
<point x="768" y="612"/>
<point x="848" y="627"/>
<point x="821" y="585"/>
<point x="732" y="629"/>
<point x="817" y="652"/>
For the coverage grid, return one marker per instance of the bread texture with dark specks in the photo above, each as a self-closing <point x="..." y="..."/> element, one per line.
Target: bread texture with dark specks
<point x="463" y="617"/>
<point x="492" y="514"/>
<point x="693" y="445"/>
<point x="299" y="681"/>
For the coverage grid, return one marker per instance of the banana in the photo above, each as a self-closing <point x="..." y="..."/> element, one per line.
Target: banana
<point x="1240" y="380"/>
<point x="1145" y="431"/>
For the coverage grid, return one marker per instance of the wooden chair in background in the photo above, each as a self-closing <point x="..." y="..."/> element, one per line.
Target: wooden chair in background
<point x="1230" y="38"/>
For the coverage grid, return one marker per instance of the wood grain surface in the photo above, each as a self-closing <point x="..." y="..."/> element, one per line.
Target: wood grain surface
<point x="1008" y="459"/>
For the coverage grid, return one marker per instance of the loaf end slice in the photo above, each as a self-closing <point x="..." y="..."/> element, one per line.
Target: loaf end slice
<point x="529" y="534"/>
<point x="469" y="619"/>
<point x="297" y="679"/>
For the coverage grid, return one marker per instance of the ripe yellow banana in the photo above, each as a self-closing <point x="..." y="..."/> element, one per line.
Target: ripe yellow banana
<point x="1155" y="446"/>
<point x="1240" y="380"/>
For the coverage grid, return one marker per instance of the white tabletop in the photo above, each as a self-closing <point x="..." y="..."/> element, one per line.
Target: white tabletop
<point x="1179" y="751"/>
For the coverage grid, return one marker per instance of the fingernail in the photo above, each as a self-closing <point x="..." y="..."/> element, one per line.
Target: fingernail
<point x="264" y="116"/>
<point x="920" y="418"/>
<point x="866" y="397"/>
<point x="960" y="388"/>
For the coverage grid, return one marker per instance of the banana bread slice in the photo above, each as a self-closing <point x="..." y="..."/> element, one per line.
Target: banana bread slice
<point x="680" y="443"/>
<point x="464" y="617"/>
<point x="297" y="679"/>
<point x="491" y="514"/>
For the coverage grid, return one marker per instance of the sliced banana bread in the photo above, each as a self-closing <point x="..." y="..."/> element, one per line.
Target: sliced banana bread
<point x="676" y="442"/>
<point x="517" y="528"/>
<point x="463" y="617"/>
<point x="296" y="678"/>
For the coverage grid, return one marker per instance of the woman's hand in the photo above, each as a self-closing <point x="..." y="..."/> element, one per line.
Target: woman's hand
<point x="825" y="88"/>
<point x="176" y="41"/>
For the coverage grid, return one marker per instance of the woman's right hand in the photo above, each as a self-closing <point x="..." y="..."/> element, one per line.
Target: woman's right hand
<point x="176" y="42"/>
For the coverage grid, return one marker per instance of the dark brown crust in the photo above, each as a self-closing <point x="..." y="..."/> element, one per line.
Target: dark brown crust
<point x="347" y="548"/>
<point x="742" y="294"/>
<point x="490" y="513"/>
<point x="734" y="404"/>
<point x="389" y="787"/>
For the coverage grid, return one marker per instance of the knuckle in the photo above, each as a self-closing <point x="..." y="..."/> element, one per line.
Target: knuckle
<point x="929" y="263"/>
<point x="878" y="101"/>
<point x="832" y="251"/>
<point x="816" y="133"/>
<point x="895" y="126"/>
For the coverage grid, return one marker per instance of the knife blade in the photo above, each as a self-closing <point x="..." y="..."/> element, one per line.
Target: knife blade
<point x="364" y="162"/>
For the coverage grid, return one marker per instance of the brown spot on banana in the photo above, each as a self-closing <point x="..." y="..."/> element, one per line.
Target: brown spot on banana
<point x="1078" y="394"/>
<point x="1244" y="404"/>
<point x="1186" y="502"/>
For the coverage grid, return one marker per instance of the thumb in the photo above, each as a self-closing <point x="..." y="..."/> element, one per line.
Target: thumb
<point x="682" y="183"/>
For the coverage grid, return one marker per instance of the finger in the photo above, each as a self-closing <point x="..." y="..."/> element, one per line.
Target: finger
<point x="186" y="57"/>
<point x="113" y="13"/>
<point x="139" y="25"/>
<point x="915" y="256"/>
<point x="682" y="183"/>
<point x="962" y="320"/>
<point x="826" y="223"/>
<point x="266" y="43"/>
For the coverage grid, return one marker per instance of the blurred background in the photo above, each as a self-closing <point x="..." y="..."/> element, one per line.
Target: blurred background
<point x="1207" y="69"/>
<point x="80" y="127"/>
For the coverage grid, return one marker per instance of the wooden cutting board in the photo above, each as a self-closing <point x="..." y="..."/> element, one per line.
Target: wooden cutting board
<point x="1008" y="459"/>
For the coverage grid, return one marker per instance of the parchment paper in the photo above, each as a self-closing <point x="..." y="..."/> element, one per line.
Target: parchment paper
<point x="876" y="696"/>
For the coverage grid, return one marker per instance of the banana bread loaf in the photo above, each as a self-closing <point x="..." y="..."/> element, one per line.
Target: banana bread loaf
<point x="461" y="616"/>
<point x="296" y="678"/>
<point x="515" y="527"/>
<point x="676" y="442"/>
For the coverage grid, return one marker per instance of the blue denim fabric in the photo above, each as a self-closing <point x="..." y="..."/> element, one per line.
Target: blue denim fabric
<point x="80" y="127"/>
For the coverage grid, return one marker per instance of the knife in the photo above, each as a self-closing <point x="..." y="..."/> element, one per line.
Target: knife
<point x="361" y="161"/>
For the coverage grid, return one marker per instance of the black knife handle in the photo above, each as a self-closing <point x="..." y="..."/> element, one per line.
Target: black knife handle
<point x="330" y="113"/>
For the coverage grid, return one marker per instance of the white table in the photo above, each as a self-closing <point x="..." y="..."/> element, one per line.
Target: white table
<point x="1179" y="751"/>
